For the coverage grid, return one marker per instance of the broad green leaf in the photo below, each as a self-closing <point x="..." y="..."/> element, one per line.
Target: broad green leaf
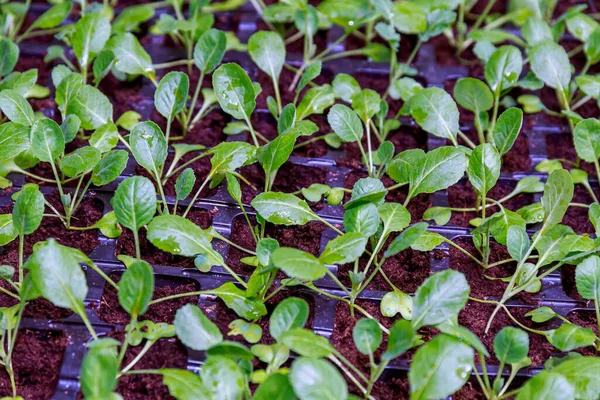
<point x="395" y="217"/>
<point x="136" y="288"/>
<point x="315" y="101"/>
<point x="134" y="202"/>
<point x="367" y="190"/>
<point x="408" y="17"/>
<point x="234" y="91"/>
<point x="547" y="385"/>
<point x="439" y="368"/>
<point x="439" y="298"/>
<point x="236" y="299"/>
<point x="109" y="167"/>
<point x="558" y="193"/>
<point x="587" y="139"/>
<point x="408" y="237"/>
<point x="306" y="343"/>
<point x="10" y="56"/>
<point x="440" y="215"/>
<point x="550" y="62"/>
<point x="16" y="108"/>
<point x="28" y="210"/>
<point x="484" y="168"/>
<point x="587" y="278"/>
<point x="511" y="345"/>
<point x="517" y="242"/>
<point x="209" y="50"/>
<point x="283" y="209"/>
<point x="581" y="26"/>
<point x="99" y="369"/>
<point x="541" y="314"/>
<point x="130" y="18"/>
<point x="185" y="183"/>
<point x="53" y="17"/>
<point x="310" y="73"/>
<point x="275" y="387"/>
<point x="131" y="58"/>
<point x="345" y="86"/>
<point x="267" y="50"/>
<point x="436" y="112"/>
<point x="274" y="154"/>
<point x="402" y="337"/>
<point x="195" y="330"/>
<point x="437" y="170"/>
<point x="82" y="160"/>
<point x="47" y="140"/>
<point x="507" y="129"/>
<point x="149" y="146"/>
<point x="345" y="123"/>
<point x="317" y="380"/>
<point x="570" y="337"/>
<point x="223" y="378"/>
<point x="90" y="35"/>
<point x="171" y="94"/>
<point x="344" y="248"/>
<point x="536" y="30"/>
<point x="582" y="374"/>
<point x="14" y="139"/>
<point x="366" y="103"/>
<point x="91" y="106"/>
<point x="298" y="264"/>
<point x="7" y="230"/>
<point x="367" y="336"/>
<point x="184" y="384"/>
<point x="427" y="241"/>
<point x="473" y="95"/>
<point x="503" y="69"/>
<point x="291" y="313"/>
<point x="104" y="138"/>
<point x="363" y="219"/>
<point x="229" y="156"/>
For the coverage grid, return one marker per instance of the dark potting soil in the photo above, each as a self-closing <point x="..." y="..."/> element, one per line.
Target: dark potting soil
<point x="407" y="270"/>
<point x="110" y="310"/>
<point x="37" y="361"/>
<point x="89" y="211"/>
<point x="165" y="353"/>
<point x="405" y="138"/>
<point x="126" y="244"/>
<point x="561" y="146"/>
<point x="201" y="169"/>
<point x="39" y="308"/>
<point x="462" y="195"/>
<point x="124" y="95"/>
<point x="586" y="319"/>
<point x="577" y="217"/>
<point x="568" y="283"/>
<point x="482" y="287"/>
<point x="290" y="178"/>
<point x="475" y="316"/>
<point x="266" y="125"/>
<point x="417" y="206"/>
<point x="306" y="237"/>
<point x="222" y="316"/>
<point x="47" y="106"/>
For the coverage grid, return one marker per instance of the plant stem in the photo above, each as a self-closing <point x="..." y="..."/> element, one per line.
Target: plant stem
<point x="141" y="354"/>
<point x="189" y="207"/>
<point x="137" y="244"/>
<point x="172" y="64"/>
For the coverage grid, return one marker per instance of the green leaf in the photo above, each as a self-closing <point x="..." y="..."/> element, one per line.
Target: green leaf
<point x="108" y="225"/>
<point x="16" y="108"/>
<point x="130" y="18"/>
<point x="550" y="62"/>
<point x="428" y="241"/>
<point x="109" y="167"/>
<point x="195" y="330"/>
<point x="171" y="94"/>
<point x="473" y="95"/>
<point x="591" y="47"/>
<point x="484" y="168"/>
<point x="582" y="374"/>
<point x="274" y="154"/>
<point x="507" y="129"/>
<point x="586" y="137"/>
<point x="436" y="112"/>
<point x="503" y="69"/>
<point x="547" y="385"/>
<point x="367" y="190"/>
<point x="14" y="139"/>
<point x="517" y="242"/>
<point x="7" y="230"/>
<point x="406" y="239"/>
<point x="104" y="138"/>
<point x="344" y="249"/>
<point x="541" y="314"/>
<point x="91" y="106"/>
<point x="82" y="160"/>
<point x="536" y="30"/>
<point x="131" y="58"/>
<point x="267" y="50"/>
<point x="437" y="170"/>
<point x="395" y="217"/>
<point x="298" y="264"/>
<point x="53" y="17"/>
<point x="149" y="146"/>
<point x="283" y="209"/>
<point x="402" y="337"/>
<point x="439" y="368"/>
<point x="317" y="380"/>
<point x="223" y="377"/>
<point x="210" y="49"/>
<point x="345" y="123"/>
<point x="57" y="275"/>
<point x="99" y="369"/>
<point x="558" y="193"/>
<point x="184" y="384"/>
<point x="47" y="140"/>
<point x="275" y="387"/>
<point x="367" y="335"/>
<point x="440" y="215"/>
<point x="28" y="210"/>
<point x="310" y="73"/>
<point x="511" y="345"/>
<point x="234" y="91"/>
<point x="236" y="299"/>
<point x="10" y="56"/>
<point x="345" y="87"/>
<point x="90" y="35"/>
<point x="229" y="156"/>
<point x="291" y="313"/>
<point x="587" y="278"/>
<point x="315" y="101"/>
<point x="185" y="183"/>
<point x="440" y="298"/>
<point x="306" y="343"/>
<point x="134" y="202"/>
<point x="136" y="287"/>
<point x="408" y="17"/>
<point x="363" y="219"/>
<point x="366" y="103"/>
<point x="570" y="336"/>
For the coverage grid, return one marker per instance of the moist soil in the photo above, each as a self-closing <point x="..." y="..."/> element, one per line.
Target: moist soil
<point x="417" y="206"/>
<point x="222" y="316"/>
<point x="290" y="178"/>
<point x="568" y="283"/>
<point x="306" y="238"/>
<point x="577" y="217"/>
<point x="208" y="131"/>
<point x="126" y="244"/>
<point x="37" y="361"/>
<point x="165" y="353"/>
<point x="110" y="310"/>
<point x="561" y="146"/>
<point x="482" y="287"/>
<point x="462" y="195"/>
